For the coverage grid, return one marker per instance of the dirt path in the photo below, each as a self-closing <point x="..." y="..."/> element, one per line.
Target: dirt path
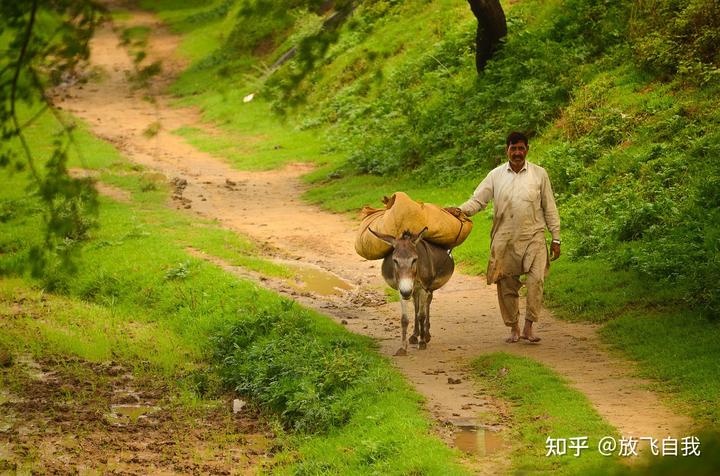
<point x="266" y="206"/>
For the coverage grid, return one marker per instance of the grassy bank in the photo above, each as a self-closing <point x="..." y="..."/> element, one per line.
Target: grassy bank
<point x="140" y="299"/>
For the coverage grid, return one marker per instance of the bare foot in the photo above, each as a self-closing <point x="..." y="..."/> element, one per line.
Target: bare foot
<point x="514" y="334"/>
<point x="532" y="339"/>
<point x="528" y="333"/>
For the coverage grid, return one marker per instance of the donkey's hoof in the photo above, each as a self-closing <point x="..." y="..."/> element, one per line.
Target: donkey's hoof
<point x="401" y="352"/>
<point x="422" y="345"/>
<point x="427" y="337"/>
<point x="413" y="339"/>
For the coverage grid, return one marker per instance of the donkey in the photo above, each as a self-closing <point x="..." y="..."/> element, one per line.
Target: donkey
<point x="415" y="268"/>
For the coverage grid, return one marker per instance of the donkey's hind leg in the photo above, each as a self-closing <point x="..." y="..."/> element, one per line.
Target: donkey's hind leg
<point x="423" y="318"/>
<point x="426" y="327"/>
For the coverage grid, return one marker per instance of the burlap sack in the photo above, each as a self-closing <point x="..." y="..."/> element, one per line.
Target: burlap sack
<point x="402" y="213"/>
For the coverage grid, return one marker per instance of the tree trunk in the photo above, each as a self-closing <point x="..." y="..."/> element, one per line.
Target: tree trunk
<point x="491" y="28"/>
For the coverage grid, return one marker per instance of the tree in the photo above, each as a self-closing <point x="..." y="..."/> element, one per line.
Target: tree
<point x="45" y="40"/>
<point x="491" y="28"/>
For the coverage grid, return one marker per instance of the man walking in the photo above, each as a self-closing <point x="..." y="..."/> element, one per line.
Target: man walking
<point x="523" y="207"/>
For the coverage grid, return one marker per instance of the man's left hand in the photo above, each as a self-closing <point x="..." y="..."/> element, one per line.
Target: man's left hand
<point x="554" y="251"/>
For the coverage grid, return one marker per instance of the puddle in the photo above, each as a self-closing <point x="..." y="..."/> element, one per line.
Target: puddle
<point x="316" y="280"/>
<point x="475" y="440"/>
<point x="128" y="413"/>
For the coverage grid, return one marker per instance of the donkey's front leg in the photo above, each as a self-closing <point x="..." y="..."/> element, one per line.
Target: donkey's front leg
<point x="404" y="320"/>
<point x="416" y="327"/>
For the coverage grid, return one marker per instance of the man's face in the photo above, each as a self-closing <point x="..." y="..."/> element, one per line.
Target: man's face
<point x="516" y="152"/>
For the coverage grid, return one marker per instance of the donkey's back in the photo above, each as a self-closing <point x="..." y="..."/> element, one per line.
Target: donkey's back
<point x="435" y="265"/>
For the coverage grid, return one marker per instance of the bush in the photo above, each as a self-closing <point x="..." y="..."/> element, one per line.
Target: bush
<point x="280" y="358"/>
<point x="672" y="37"/>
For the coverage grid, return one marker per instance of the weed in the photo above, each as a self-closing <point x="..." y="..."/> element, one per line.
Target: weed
<point x="179" y="272"/>
<point x="152" y="130"/>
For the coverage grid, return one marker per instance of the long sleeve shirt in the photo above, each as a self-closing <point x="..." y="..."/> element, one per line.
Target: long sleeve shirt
<point x="524" y="206"/>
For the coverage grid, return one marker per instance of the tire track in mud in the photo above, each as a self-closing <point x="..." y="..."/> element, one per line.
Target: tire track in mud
<point x="267" y="207"/>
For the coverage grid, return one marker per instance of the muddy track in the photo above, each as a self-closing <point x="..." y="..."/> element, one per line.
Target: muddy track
<point x="267" y="207"/>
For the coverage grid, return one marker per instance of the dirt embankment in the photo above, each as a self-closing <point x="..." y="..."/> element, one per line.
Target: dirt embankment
<point x="70" y="416"/>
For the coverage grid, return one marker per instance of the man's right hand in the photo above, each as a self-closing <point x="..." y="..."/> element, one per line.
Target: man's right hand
<point x="455" y="211"/>
<point x="554" y="251"/>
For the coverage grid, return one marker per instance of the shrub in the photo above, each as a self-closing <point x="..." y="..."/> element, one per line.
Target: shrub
<point x="280" y="358"/>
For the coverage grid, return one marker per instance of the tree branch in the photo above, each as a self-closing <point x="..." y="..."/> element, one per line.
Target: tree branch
<point x="13" y="90"/>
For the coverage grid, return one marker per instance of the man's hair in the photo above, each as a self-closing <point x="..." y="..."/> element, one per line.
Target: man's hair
<point x="516" y="137"/>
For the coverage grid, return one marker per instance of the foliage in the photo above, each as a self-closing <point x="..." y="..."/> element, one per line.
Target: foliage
<point x="615" y="142"/>
<point x="680" y="38"/>
<point x="642" y="188"/>
<point x="410" y="127"/>
<point x="43" y="42"/>
<point x="283" y="361"/>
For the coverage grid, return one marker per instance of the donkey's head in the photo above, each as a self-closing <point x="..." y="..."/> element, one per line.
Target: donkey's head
<point x="404" y="259"/>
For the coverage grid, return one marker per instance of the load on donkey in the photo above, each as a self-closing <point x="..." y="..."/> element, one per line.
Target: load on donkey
<point x="414" y="240"/>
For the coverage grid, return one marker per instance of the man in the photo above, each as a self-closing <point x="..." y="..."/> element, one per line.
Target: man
<point x="523" y="207"/>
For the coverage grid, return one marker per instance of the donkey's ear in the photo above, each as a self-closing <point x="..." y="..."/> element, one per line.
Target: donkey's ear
<point x="389" y="239"/>
<point x="420" y="236"/>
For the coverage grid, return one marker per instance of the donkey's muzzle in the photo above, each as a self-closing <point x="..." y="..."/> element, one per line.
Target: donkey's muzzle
<point x="405" y="287"/>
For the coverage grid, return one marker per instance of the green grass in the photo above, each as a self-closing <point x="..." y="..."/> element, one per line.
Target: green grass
<point x="391" y="295"/>
<point x="679" y="351"/>
<point x="396" y="38"/>
<point x="318" y="377"/>
<point x="136" y="36"/>
<point x="55" y="325"/>
<point x="577" y="290"/>
<point x="590" y="290"/>
<point x="541" y="406"/>
<point x="650" y="323"/>
<point x="250" y="136"/>
<point x="205" y="27"/>
<point x="139" y="298"/>
<point x="120" y="15"/>
<point x="127" y="267"/>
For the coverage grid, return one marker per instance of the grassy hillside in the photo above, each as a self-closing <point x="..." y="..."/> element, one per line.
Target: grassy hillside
<point x="620" y="99"/>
